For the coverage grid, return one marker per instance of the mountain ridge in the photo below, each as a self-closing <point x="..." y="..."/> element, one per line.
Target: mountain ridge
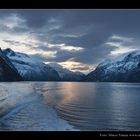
<point x="7" y="70"/>
<point x="126" y="69"/>
<point x="29" y="69"/>
<point x="67" y="75"/>
<point x="23" y="67"/>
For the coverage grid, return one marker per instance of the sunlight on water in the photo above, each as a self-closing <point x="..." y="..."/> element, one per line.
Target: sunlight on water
<point x="97" y="106"/>
<point x="81" y="106"/>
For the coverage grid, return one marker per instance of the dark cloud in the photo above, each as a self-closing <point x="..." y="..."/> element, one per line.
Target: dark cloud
<point x="63" y="56"/>
<point x="11" y="42"/>
<point x="18" y="43"/>
<point x="38" y="18"/>
<point x="88" y="29"/>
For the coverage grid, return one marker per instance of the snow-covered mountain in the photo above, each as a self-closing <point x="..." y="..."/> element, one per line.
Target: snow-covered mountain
<point x="124" y="69"/>
<point x="65" y="74"/>
<point x="29" y="69"/>
<point x="7" y="71"/>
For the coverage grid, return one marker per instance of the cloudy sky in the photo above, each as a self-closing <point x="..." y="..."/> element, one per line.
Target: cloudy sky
<point x="76" y="39"/>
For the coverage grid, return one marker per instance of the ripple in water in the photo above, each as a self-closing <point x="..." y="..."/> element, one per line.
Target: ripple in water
<point x="98" y="106"/>
<point x="25" y="111"/>
<point x="85" y="106"/>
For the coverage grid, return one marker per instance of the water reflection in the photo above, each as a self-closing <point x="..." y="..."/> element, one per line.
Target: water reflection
<point x="86" y="106"/>
<point x="97" y="106"/>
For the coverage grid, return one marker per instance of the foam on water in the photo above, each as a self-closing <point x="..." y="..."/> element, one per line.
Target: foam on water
<point x="26" y="111"/>
<point x="69" y="106"/>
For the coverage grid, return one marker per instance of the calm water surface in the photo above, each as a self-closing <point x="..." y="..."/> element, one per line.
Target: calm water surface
<point x="86" y="106"/>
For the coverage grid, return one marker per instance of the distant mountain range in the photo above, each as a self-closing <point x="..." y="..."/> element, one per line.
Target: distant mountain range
<point x="7" y="70"/>
<point x="16" y="66"/>
<point x="67" y="75"/>
<point x="124" y="69"/>
<point x="30" y="70"/>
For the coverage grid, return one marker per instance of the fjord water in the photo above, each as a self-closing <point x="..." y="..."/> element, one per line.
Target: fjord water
<point x="69" y="106"/>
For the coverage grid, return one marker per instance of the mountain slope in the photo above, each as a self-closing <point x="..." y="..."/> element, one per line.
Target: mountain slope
<point x="29" y="69"/>
<point x="127" y="69"/>
<point x="65" y="74"/>
<point x="7" y="71"/>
